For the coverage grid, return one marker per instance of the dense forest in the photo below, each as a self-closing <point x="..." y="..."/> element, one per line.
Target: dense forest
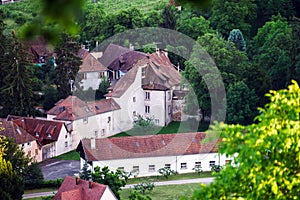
<point x="254" y="44"/>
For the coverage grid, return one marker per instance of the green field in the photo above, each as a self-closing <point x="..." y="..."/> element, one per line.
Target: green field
<point x="71" y="155"/>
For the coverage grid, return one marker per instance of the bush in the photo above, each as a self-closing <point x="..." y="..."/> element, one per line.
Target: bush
<point x="144" y="186"/>
<point x="166" y="172"/>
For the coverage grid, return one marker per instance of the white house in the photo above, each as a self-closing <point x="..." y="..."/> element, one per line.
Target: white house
<point x="91" y="72"/>
<point x="87" y="119"/>
<point x="146" y="154"/>
<point x="147" y="90"/>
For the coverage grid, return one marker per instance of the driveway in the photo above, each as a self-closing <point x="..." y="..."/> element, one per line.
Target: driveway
<point x="53" y="169"/>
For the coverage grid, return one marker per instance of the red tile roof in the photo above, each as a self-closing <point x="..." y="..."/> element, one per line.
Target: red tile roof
<point x="91" y="64"/>
<point x="69" y="190"/>
<point x="72" y="108"/>
<point x="147" y="146"/>
<point x="12" y="130"/>
<point x="111" y="53"/>
<point x="44" y="131"/>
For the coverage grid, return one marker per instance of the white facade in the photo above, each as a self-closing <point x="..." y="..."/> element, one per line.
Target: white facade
<point x="32" y="150"/>
<point x="92" y="79"/>
<point x="149" y="166"/>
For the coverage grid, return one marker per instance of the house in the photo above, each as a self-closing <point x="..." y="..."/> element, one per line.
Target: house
<point x="87" y="119"/>
<point x="51" y="136"/>
<point x="147" y="89"/>
<point x="79" y="189"/>
<point x="144" y="155"/>
<point x="22" y="138"/>
<point x="91" y="72"/>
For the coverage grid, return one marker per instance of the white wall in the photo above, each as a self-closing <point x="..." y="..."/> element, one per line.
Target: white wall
<point x="92" y="80"/>
<point x="108" y="195"/>
<point x="160" y="162"/>
<point x="64" y="137"/>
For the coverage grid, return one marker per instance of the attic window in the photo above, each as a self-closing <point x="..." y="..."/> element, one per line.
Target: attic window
<point x="97" y="107"/>
<point x="18" y="130"/>
<point x="49" y="135"/>
<point x="163" y="142"/>
<point x="36" y="134"/>
<point x="137" y="143"/>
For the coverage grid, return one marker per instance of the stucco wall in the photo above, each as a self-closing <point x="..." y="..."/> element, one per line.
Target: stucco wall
<point x="92" y="80"/>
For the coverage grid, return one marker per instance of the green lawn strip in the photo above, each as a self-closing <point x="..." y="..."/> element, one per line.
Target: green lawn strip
<point x="167" y="192"/>
<point x="40" y="190"/>
<point x="71" y="155"/>
<point x="171" y="178"/>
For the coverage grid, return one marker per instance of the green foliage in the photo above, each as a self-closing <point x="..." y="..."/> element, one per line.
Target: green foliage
<point x="241" y="104"/>
<point x="113" y="179"/>
<point x="266" y="153"/>
<point x="67" y="64"/>
<point x="228" y="15"/>
<point x="103" y="88"/>
<point x="236" y="36"/>
<point x="198" y="169"/>
<point x="169" y="15"/>
<point x="86" y="173"/>
<point x="166" y="172"/>
<point x="34" y="176"/>
<point x="143" y="125"/>
<point x="17" y="79"/>
<point x="144" y="186"/>
<point x="50" y="97"/>
<point x="135" y="195"/>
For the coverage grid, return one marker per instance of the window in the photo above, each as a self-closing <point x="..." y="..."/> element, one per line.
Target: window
<point x="183" y="166"/>
<point x="85" y="120"/>
<point x="168" y="166"/>
<point x="101" y="74"/>
<point x="197" y="164"/>
<point x="147" y="109"/>
<point x="147" y="95"/>
<point x="156" y="121"/>
<point x="169" y="109"/>
<point x="143" y="72"/>
<point x="121" y="168"/>
<point x="151" y="168"/>
<point x="28" y="143"/>
<point x="66" y="136"/>
<point x="29" y="154"/>
<point x="36" y="134"/>
<point x="23" y="145"/>
<point x="134" y="99"/>
<point x="134" y="113"/>
<point x="136" y="168"/>
<point x="66" y="144"/>
<point x="84" y="76"/>
<point x="228" y="162"/>
<point x="169" y="95"/>
<point x="96" y="134"/>
<point x="108" y="119"/>
<point x="103" y="132"/>
<point x="36" y="151"/>
<point x="212" y="163"/>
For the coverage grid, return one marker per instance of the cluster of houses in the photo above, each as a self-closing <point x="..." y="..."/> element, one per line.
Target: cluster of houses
<point x="146" y="85"/>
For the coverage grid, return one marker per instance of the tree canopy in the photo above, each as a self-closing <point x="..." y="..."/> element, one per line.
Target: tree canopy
<point x="266" y="154"/>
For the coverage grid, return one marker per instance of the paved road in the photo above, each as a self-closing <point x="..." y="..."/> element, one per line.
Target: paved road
<point x="176" y="182"/>
<point x="53" y="169"/>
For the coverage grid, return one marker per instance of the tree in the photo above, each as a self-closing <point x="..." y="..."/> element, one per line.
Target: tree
<point x="166" y="172"/>
<point x="34" y="176"/>
<point x="227" y="15"/>
<point x="236" y="36"/>
<point x="103" y="88"/>
<point x="272" y="51"/>
<point x="86" y="173"/>
<point x="113" y="179"/>
<point x="13" y="167"/>
<point x="17" y="81"/>
<point x="144" y="186"/>
<point x="135" y="195"/>
<point x="241" y="104"/>
<point x="50" y="97"/>
<point x="67" y="65"/>
<point x="266" y="154"/>
<point x="169" y="15"/>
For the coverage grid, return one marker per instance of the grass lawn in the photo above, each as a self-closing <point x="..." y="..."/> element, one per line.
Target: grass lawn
<point x="71" y="155"/>
<point x="173" y="127"/>
<point x="167" y="192"/>
<point x="40" y="190"/>
<point x="171" y="178"/>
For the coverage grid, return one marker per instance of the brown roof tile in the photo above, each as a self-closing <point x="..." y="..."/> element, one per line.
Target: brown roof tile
<point x="80" y="191"/>
<point x="91" y="64"/>
<point x="147" y="146"/>
<point x="12" y="130"/>
<point x="111" y="53"/>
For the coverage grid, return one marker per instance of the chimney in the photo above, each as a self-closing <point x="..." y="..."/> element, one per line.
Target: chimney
<point x="166" y="52"/>
<point x="178" y="67"/>
<point x="97" y="43"/>
<point x="93" y="143"/>
<point x="131" y="47"/>
<point x="90" y="184"/>
<point x="77" y="180"/>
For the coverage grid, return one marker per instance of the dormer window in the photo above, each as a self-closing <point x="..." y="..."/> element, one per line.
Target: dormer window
<point x="36" y="134"/>
<point x="49" y="135"/>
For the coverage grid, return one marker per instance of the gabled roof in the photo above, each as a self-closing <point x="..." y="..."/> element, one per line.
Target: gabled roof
<point x="111" y="53"/>
<point x="44" y="131"/>
<point x="146" y="146"/>
<point x="160" y="75"/>
<point x="91" y="64"/>
<point x="82" y="53"/>
<point x="72" y="108"/>
<point x="79" y="189"/>
<point x="12" y="130"/>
